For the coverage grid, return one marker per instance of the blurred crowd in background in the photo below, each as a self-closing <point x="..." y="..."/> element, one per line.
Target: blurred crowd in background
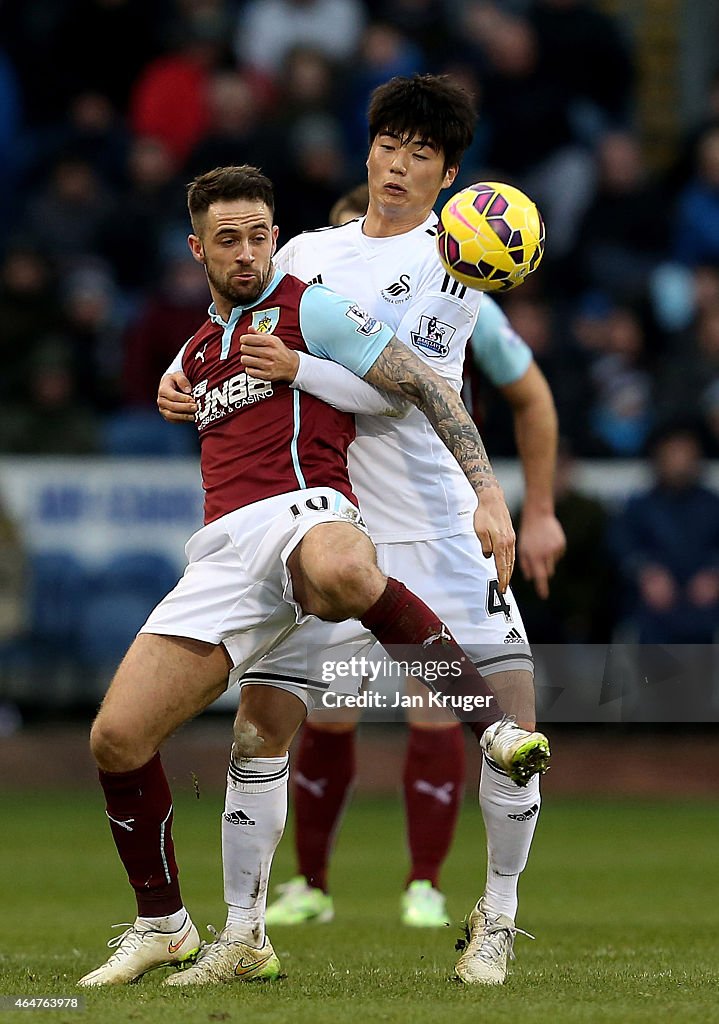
<point x="109" y="107"/>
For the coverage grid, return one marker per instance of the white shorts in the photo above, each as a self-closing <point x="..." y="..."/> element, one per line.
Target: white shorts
<point x="236" y="589"/>
<point x="453" y="577"/>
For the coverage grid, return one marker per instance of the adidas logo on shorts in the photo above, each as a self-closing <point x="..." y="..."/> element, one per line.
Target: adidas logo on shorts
<point x="514" y="637"/>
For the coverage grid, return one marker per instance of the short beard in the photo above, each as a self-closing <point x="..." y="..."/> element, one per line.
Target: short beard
<point x="235" y="296"/>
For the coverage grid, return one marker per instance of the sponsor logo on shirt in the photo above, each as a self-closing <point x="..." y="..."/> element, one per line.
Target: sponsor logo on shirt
<point x="231" y="395"/>
<point x="366" y="324"/>
<point x="433" y="336"/>
<point x="265" y="320"/>
<point x="398" y="291"/>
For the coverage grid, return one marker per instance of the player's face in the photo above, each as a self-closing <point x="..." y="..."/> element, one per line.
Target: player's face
<point x="236" y="244"/>
<point x="406" y="175"/>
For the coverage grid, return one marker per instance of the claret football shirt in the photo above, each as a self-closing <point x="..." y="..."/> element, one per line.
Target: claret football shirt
<point x="260" y="438"/>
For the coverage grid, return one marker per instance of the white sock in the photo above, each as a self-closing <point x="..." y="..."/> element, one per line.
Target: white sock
<point x="171" y="923"/>
<point x="510" y="815"/>
<point x="252" y="826"/>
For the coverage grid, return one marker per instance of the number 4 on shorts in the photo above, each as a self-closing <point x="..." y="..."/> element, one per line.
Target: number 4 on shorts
<point x="496" y="601"/>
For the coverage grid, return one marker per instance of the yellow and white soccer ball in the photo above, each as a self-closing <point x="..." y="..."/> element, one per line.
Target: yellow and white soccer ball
<point x="490" y="237"/>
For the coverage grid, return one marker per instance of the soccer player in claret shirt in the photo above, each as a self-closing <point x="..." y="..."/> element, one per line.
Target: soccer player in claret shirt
<point x="420" y="510"/>
<point x="283" y="538"/>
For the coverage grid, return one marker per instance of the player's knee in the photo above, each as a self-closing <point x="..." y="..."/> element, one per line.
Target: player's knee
<point x="114" y="747"/>
<point x="352" y="585"/>
<point x="339" y="578"/>
<point x="270" y="739"/>
<point x="247" y="740"/>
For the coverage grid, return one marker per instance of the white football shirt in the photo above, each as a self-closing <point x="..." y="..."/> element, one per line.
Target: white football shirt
<point x="408" y="484"/>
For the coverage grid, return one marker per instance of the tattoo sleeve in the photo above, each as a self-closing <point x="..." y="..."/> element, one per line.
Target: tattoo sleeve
<point x="399" y="370"/>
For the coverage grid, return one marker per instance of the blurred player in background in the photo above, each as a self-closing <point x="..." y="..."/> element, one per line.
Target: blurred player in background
<point x="420" y="512"/>
<point x="282" y="540"/>
<point x="351" y="206"/>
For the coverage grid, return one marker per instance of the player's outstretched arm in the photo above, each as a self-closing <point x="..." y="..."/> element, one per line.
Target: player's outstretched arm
<point x="398" y="370"/>
<point x="267" y="357"/>
<point x="174" y="398"/>
<point x="541" y="541"/>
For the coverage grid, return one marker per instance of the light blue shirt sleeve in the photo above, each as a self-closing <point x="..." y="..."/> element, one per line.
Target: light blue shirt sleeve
<point x="497" y="348"/>
<point x="338" y="329"/>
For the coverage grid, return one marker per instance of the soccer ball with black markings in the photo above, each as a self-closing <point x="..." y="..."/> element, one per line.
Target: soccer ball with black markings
<point x="490" y="236"/>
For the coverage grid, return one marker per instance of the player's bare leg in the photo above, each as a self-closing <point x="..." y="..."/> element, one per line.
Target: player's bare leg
<point x="510" y="815"/>
<point x="252" y="825"/>
<point x="515" y="693"/>
<point x="161" y="683"/>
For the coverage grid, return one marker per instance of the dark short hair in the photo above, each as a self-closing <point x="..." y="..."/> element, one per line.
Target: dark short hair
<point x="241" y="182"/>
<point x="428" y="107"/>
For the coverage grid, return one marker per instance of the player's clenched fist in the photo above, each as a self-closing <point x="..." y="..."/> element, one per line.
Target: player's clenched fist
<point x="174" y="398"/>
<point x="267" y="357"/>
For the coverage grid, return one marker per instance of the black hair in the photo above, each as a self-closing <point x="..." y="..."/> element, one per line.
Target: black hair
<point x="428" y="107"/>
<point x="240" y="182"/>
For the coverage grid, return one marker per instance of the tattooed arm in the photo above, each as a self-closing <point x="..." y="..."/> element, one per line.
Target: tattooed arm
<point x="399" y="370"/>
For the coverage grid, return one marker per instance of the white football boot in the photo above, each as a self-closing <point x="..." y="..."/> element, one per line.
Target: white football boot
<point x="519" y="753"/>
<point x="140" y="949"/>
<point x="490" y="945"/>
<point x="229" y="959"/>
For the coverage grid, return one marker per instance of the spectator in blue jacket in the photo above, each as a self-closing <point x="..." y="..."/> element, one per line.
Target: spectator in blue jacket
<point x="666" y="541"/>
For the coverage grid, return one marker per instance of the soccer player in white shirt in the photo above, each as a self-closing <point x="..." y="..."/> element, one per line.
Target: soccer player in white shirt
<point x="417" y="505"/>
<point x="434" y="769"/>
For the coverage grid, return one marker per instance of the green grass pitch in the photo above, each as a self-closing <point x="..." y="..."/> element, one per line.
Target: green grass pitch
<point x="622" y="897"/>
